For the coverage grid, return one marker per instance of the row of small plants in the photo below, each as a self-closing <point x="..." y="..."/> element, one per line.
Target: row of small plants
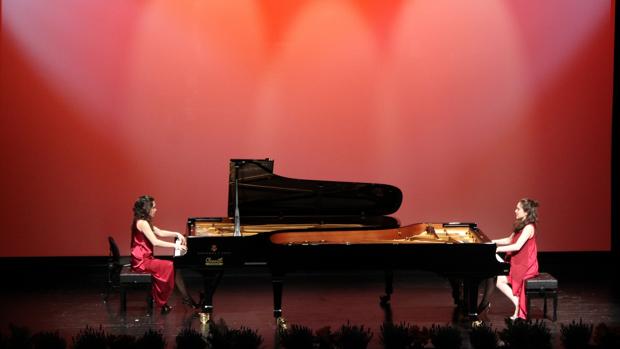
<point x="97" y="338"/>
<point x="219" y="336"/>
<point x="516" y="335"/>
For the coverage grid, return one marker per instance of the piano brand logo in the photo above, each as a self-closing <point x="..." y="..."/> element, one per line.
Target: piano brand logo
<point x="213" y="248"/>
<point x="210" y="262"/>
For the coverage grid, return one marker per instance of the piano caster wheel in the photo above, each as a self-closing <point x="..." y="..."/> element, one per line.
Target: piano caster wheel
<point x="281" y="324"/>
<point x="204" y="317"/>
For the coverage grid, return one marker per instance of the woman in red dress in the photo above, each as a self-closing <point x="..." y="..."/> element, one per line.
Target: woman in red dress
<point x="144" y="235"/>
<point x="521" y="252"/>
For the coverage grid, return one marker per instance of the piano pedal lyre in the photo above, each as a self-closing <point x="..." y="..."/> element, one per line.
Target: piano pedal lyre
<point x="204" y="317"/>
<point x="477" y="323"/>
<point x="281" y="324"/>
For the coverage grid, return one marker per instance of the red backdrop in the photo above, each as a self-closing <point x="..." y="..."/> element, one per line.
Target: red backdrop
<point x="465" y="106"/>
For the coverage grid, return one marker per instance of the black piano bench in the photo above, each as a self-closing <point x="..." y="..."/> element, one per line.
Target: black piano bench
<point x="135" y="279"/>
<point x="542" y="286"/>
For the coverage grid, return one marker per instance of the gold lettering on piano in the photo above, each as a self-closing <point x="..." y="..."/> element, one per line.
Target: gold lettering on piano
<point x="211" y="262"/>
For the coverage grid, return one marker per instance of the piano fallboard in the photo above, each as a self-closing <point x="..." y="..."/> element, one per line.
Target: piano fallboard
<point x="211" y="238"/>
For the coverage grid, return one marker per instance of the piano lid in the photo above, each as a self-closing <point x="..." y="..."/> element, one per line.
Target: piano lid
<point x="265" y="194"/>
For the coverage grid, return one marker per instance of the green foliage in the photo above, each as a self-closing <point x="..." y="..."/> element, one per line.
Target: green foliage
<point x="189" y="338"/>
<point x="445" y="337"/>
<point x="48" y="340"/>
<point x="576" y="335"/>
<point x="297" y="337"/>
<point x="483" y="336"/>
<point x="403" y="336"/>
<point x="352" y="337"/>
<point x="90" y="338"/>
<point x="523" y="334"/>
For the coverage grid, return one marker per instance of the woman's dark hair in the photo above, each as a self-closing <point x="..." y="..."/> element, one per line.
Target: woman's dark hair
<point x="530" y="207"/>
<point x="142" y="208"/>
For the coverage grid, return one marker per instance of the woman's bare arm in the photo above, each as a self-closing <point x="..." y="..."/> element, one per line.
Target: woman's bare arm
<point x="528" y="232"/>
<point x="145" y="228"/>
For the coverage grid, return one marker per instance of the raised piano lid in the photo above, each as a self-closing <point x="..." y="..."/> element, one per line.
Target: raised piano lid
<point x="265" y="196"/>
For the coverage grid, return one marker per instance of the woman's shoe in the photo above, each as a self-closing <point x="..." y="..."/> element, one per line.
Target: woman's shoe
<point x="509" y="319"/>
<point x="190" y="302"/>
<point x="513" y="319"/>
<point x="484" y="306"/>
<point x="165" y="309"/>
<point x="483" y="312"/>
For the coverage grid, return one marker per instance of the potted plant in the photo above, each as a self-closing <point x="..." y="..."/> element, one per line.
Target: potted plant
<point x="189" y="338"/>
<point x="48" y="340"/>
<point x="90" y="338"/>
<point x="297" y="337"/>
<point x="483" y="336"/>
<point x="526" y="334"/>
<point x="576" y="335"/>
<point x="151" y="339"/>
<point x="445" y="337"/>
<point x="352" y="337"/>
<point x="403" y="336"/>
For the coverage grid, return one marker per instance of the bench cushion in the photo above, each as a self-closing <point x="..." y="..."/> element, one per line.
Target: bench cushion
<point x="129" y="276"/>
<point x="542" y="281"/>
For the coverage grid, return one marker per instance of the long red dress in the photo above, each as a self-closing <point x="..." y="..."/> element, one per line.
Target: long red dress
<point x="523" y="265"/>
<point x="142" y="260"/>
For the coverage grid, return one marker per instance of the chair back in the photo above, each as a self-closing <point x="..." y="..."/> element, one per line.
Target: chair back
<point x="115" y="254"/>
<point x="114" y="262"/>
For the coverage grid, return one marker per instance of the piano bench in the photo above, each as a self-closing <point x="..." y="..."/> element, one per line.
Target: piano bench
<point x="135" y="279"/>
<point x="543" y="285"/>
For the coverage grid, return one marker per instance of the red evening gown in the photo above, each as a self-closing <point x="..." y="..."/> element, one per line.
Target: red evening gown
<point x="142" y="260"/>
<point x="523" y="265"/>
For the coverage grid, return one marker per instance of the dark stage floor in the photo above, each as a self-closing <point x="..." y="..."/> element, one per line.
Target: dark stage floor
<point x="311" y="299"/>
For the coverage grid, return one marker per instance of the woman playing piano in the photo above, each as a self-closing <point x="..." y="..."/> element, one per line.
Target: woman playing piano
<point x="521" y="252"/>
<point x="144" y="236"/>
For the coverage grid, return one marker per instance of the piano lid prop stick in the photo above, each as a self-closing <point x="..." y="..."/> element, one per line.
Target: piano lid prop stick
<point x="237" y="221"/>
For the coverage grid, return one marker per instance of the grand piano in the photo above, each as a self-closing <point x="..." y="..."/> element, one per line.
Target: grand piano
<point x="288" y="224"/>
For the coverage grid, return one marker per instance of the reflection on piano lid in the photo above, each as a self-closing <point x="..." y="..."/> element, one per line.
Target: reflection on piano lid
<point x="265" y="194"/>
<point x="268" y="202"/>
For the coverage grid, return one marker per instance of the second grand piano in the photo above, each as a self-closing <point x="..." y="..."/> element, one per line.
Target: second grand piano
<point x="291" y="224"/>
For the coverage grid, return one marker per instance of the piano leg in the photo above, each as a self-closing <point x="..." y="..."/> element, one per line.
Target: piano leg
<point x="277" y="281"/>
<point x="389" y="288"/>
<point x="457" y="291"/>
<point x="211" y="281"/>
<point x="470" y="295"/>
